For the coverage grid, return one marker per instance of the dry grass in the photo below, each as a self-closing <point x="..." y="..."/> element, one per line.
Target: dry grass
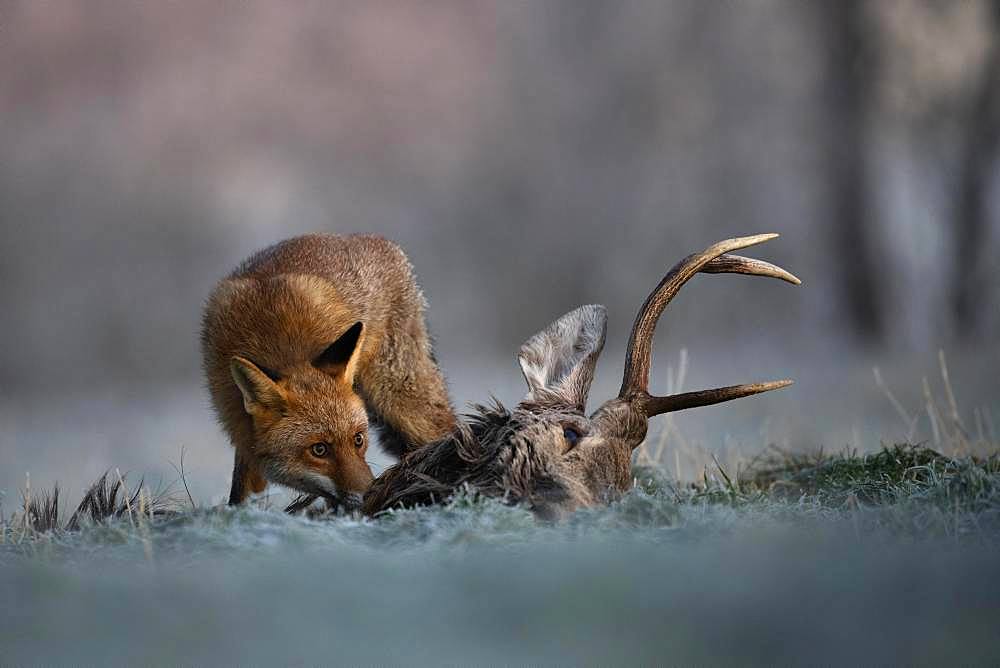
<point x="938" y="423"/>
<point x="110" y="497"/>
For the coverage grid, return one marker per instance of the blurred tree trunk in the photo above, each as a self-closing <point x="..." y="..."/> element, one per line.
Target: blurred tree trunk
<point x="976" y="175"/>
<point x="851" y="71"/>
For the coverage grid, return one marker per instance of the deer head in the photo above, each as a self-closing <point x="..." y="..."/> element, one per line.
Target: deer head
<point x="546" y="452"/>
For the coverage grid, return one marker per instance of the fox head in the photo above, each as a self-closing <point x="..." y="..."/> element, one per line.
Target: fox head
<point x="310" y="426"/>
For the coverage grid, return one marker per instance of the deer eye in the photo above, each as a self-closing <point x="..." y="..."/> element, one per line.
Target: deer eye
<point x="359" y="439"/>
<point x="571" y="435"/>
<point x="319" y="449"/>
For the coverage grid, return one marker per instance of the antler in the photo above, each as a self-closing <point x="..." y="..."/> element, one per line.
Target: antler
<point x="713" y="260"/>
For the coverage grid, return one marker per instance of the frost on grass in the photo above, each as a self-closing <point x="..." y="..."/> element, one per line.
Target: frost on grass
<point x="899" y="492"/>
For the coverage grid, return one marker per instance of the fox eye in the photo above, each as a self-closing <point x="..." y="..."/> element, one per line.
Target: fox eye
<point x="571" y="435"/>
<point x="319" y="449"/>
<point x="359" y="439"/>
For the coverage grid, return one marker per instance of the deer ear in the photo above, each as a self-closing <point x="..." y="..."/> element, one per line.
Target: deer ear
<point x="558" y="362"/>
<point x="341" y="356"/>
<point x="260" y="392"/>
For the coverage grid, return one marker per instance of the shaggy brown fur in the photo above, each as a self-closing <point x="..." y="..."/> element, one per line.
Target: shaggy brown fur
<point x="545" y="453"/>
<point x="512" y="455"/>
<point x="302" y="344"/>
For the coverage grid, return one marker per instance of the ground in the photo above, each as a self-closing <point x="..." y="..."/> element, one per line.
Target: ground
<point x="888" y="557"/>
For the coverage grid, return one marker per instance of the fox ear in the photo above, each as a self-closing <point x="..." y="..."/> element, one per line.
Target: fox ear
<point x="259" y="391"/>
<point x="558" y="362"/>
<point x="341" y="356"/>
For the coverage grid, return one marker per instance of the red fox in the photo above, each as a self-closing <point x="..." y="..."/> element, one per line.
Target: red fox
<point x="304" y="343"/>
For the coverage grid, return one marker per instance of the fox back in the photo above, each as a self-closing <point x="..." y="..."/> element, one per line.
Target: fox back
<point x="303" y="344"/>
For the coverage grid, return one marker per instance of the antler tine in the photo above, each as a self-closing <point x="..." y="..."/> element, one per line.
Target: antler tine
<point x="679" y="402"/>
<point x="635" y="381"/>
<point x="737" y="264"/>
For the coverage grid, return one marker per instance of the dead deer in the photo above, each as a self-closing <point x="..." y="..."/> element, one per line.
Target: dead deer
<point x="546" y="453"/>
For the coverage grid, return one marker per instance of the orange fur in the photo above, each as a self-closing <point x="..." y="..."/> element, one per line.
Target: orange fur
<point x="278" y="385"/>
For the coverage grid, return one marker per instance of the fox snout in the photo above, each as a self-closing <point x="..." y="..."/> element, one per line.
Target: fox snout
<point x="352" y="478"/>
<point x="351" y="501"/>
<point x="351" y="490"/>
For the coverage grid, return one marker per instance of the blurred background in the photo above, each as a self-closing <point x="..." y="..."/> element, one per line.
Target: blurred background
<point x="530" y="157"/>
